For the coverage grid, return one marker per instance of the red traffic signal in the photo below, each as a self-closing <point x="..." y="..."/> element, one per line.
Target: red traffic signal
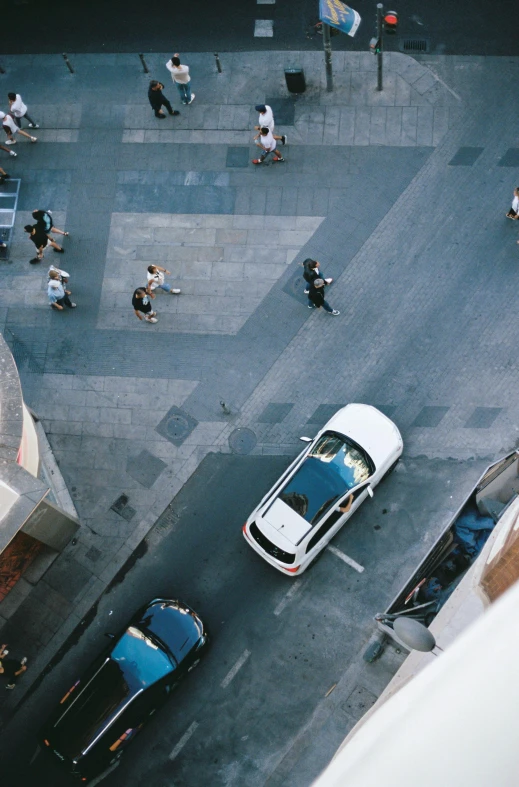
<point x="390" y="22"/>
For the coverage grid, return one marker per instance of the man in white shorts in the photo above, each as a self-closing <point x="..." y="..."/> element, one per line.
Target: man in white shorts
<point x="266" y="120"/>
<point x="11" y="129"/>
<point x="267" y="143"/>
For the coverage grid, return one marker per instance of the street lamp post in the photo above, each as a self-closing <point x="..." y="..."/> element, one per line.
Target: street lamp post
<point x="380" y="37"/>
<point x="327" y="44"/>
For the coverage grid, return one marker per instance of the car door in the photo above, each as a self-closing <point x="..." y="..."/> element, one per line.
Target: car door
<point x="336" y="519"/>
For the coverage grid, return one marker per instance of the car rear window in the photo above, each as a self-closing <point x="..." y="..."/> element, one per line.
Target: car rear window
<point x="270" y="548"/>
<point x="77" y="726"/>
<point x="333" y="466"/>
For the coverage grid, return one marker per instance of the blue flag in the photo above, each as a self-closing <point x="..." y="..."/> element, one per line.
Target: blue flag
<point x="339" y="15"/>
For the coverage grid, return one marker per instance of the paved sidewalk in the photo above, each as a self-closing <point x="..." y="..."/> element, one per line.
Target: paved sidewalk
<point x="371" y="187"/>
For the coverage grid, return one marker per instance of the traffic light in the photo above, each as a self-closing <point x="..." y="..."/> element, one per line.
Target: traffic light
<point x="390" y="22"/>
<point x="374" y="46"/>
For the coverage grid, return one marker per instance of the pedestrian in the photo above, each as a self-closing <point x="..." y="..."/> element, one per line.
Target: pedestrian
<point x="142" y="306"/>
<point x="316" y="297"/>
<point x="157" y="100"/>
<point x="513" y="213"/>
<point x="268" y="145"/>
<point x="156" y="281"/>
<point x="3" y="176"/>
<point x="57" y="294"/>
<point x="43" y="220"/>
<point x="11" y="668"/>
<point x="11" y="152"/>
<point x="311" y="272"/>
<point x="266" y="119"/>
<point x="41" y="240"/>
<point x="181" y="78"/>
<point x="11" y="129"/>
<point x="18" y="110"/>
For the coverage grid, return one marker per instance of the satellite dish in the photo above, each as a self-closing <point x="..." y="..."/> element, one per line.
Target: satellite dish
<point x="414" y="634"/>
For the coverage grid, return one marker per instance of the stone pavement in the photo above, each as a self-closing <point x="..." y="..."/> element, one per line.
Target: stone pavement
<point x="401" y="195"/>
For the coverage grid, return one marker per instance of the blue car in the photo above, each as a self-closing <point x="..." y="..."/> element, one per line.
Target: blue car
<point x="105" y="709"/>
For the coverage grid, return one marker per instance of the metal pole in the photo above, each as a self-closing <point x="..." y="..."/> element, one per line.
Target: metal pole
<point x="327" y="44"/>
<point x="380" y="36"/>
<point x="218" y="64"/>
<point x="145" y="67"/>
<point x="67" y="61"/>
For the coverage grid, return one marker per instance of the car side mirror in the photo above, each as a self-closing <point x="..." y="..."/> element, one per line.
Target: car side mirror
<point x="109" y="635"/>
<point x="306" y="439"/>
<point x="370" y="491"/>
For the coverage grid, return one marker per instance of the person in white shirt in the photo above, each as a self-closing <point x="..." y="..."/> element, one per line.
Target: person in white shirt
<point x="19" y="110"/>
<point x="266" y="119"/>
<point x="267" y="143"/>
<point x="513" y="213"/>
<point x="11" y="129"/>
<point x="181" y="78"/>
<point x="156" y="281"/>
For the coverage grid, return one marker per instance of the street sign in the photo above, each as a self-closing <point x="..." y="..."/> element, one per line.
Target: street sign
<point x="339" y="15"/>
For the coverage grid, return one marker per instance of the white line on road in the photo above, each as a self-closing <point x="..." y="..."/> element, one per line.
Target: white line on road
<point x="239" y="664"/>
<point x="184" y="739"/>
<point x="288" y="597"/>
<point x="346" y="558"/>
<point x="264" y="28"/>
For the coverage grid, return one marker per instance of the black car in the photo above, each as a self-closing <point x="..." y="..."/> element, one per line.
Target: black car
<point x="104" y="710"/>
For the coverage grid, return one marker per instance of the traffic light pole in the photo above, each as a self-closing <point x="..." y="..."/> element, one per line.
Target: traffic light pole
<point x="327" y="44"/>
<point x="380" y="37"/>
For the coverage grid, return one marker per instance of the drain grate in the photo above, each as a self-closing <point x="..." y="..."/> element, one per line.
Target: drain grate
<point x="417" y="45"/>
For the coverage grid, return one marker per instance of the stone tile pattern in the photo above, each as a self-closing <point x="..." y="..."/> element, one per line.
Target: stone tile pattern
<point x="224" y="265"/>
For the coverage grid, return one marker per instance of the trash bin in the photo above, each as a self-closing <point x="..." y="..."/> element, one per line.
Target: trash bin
<point x="295" y="78"/>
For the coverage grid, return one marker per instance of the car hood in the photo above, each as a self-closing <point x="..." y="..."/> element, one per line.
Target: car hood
<point x="370" y="428"/>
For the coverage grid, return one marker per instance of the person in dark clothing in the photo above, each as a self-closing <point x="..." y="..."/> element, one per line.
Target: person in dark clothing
<point x="41" y="240"/>
<point x="11" y="668"/>
<point x="43" y="219"/>
<point x="316" y="297"/>
<point x="311" y="272"/>
<point x="142" y="306"/>
<point x="158" y="100"/>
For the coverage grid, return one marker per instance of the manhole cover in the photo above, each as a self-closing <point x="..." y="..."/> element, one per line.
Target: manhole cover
<point x="414" y="45"/>
<point x="177" y="427"/>
<point x="242" y="441"/>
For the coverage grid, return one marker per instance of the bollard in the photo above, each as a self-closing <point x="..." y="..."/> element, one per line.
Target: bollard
<point x="145" y="67"/>
<point x="218" y="64"/>
<point x="226" y="410"/>
<point x="2" y="70"/>
<point x="67" y="61"/>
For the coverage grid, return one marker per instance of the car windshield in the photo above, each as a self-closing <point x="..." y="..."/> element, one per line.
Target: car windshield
<point x="141" y="658"/>
<point x="333" y="466"/>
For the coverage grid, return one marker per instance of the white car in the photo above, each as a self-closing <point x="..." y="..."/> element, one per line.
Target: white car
<point x="302" y="512"/>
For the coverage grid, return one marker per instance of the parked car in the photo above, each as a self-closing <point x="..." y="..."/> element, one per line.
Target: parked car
<point x="311" y="501"/>
<point x="104" y="710"/>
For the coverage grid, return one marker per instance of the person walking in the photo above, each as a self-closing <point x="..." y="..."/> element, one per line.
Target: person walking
<point x="266" y="120"/>
<point x="11" y="152"/>
<point x="11" y="129"/>
<point x="3" y="176"/>
<point x="19" y="110"/>
<point x="41" y="240"/>
<point x="43" y="219"/>
<point x="158" y="100"/>
<point x="11" y="668"/>
<point x="513" y="213"/>
<point x="268" y="145"/>
<point x="142" y="306"/>
<point x="156" y="281"/>
<point x="181" y="78"/>
<point x="311" y="272"/>
<point x="316" y="297"/>
<point x="56" y="292"/>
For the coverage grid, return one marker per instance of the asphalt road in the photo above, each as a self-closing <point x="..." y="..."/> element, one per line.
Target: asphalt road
<point x="278" y="644"/>
<point x="467" y="27"/>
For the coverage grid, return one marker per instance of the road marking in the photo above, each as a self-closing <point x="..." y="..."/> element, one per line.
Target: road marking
<point x="264" y="28"/>
<point x="346" y="558"/>
<point x="184" y="739"/>
<point x="239" y="664"/>
<point x="451" y="91"/>
<point x="296" y="587"/>
<point x="265" y="2"/>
